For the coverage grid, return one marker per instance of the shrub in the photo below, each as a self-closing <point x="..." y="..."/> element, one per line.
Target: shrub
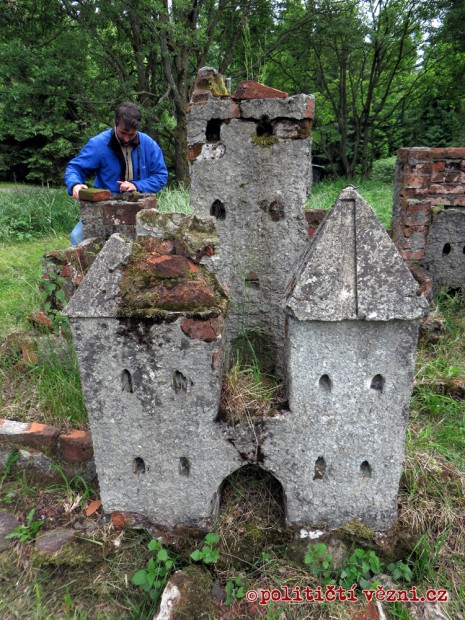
<point x="384" y="170"/>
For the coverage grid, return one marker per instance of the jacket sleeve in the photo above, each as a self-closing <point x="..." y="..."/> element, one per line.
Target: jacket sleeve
<point x="83" y="166"/>
<point x="155" y="174"/>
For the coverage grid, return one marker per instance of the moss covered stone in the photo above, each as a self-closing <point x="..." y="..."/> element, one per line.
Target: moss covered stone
<point x="195" y="602"/>
<point x="264" y="141"/>
<point x="154" y="286"/>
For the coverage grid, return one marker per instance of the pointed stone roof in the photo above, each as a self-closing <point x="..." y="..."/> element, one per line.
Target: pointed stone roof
<point x="352" y="270"/>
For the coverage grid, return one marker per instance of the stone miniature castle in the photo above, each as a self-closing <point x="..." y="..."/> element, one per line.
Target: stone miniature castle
<point x="153" y="320"/>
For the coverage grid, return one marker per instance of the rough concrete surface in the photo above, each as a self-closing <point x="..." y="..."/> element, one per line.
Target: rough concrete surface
<point x="445" y="252"/>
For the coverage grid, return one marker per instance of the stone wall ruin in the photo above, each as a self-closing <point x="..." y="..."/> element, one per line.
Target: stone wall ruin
<point x="428" y="220"/>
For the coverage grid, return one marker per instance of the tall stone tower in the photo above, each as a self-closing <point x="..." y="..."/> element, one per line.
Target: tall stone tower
<point x="250" y="163"/>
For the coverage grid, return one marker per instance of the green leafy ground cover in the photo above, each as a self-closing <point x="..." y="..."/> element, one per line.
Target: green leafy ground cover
<point x="250" y="548"/>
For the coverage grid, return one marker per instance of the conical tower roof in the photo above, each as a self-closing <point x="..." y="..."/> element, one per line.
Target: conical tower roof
<point x="352" y="270"/>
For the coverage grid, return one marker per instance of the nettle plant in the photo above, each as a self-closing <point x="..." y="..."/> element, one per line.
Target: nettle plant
<point x="152" y="579"/>
<point x="208" y="554"/>
<point x="361" y="568"/>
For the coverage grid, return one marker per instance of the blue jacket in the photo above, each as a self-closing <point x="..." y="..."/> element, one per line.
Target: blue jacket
<point x="103" y="157"/>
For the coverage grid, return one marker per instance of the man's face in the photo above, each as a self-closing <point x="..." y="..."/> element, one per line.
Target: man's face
<point x="125" y="134"/>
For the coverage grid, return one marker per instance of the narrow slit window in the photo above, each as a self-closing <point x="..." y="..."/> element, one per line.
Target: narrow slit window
<point x="325" y="383"/>
<point x="213" y="130"/>
<point x="264" y="128"/>
<point x="320" y="469"/>
<point x="126" y="381"/>
<point x="365" y="470"/>
<point x="217" y="210"/>
<point x="377" y="383"/>
<point x="181" y="383"/>
<point x="184" y="466"/>
<point x="138" y="465"/>
<point x="446" y="249"/>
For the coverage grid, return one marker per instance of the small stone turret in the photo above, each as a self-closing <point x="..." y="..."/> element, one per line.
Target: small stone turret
<point x="147" y="326"/>
<point x="353" y="315"/>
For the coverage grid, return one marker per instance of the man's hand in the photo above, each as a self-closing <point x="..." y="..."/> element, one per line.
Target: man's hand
<point x="77" y="188"/>
<point x="126" y="186"/>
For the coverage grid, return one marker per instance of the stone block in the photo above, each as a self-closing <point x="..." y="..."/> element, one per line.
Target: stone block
<point x="294" y="107"/>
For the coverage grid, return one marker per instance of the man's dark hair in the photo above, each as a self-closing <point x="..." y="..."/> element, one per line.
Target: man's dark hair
<point x="128" y="115"/>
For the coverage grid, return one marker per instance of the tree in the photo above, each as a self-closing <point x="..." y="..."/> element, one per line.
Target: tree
<point x="361" y="59"/>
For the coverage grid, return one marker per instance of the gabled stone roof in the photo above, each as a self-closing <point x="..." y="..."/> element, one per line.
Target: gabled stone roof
<point x="352" y="270"/>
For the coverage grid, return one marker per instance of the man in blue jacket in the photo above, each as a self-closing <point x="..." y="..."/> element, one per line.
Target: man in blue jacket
<point x="123" y="160"/>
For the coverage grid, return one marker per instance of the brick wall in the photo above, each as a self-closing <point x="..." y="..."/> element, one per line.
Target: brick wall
<point x="428" y="180"/>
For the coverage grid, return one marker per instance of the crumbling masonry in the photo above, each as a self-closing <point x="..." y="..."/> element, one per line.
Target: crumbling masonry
<point x="152" y="319"/>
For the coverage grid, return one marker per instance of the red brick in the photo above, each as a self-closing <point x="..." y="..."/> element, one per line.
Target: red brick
<point x="438" y="166"/>
<point x="455" y="177"/>
<point x="198" y="329"/>
<point x="446" y="189"/>
<point x="459" y="201"/>
<point x="157" y="246"/>
<point x="66" y="272"/>
<point x="438" y="177"/>
<point x="39" y="318"/>
<point x="171" y="266"/>
<point x="310" y="109"/>
<point x="75" y="447"/>
<point x="94" y="194"/>
<point x="413" y="255"/>
<point x="33" y="435"/>
<point x="448" y="153"/>
<point x="235" y="110"/>
<point x="412" y="230"/>
<point x="194" y="151"/>
<point x="425" y="168"/>
<point x="249" y="89"/>
<point x="443" y="200"/>
<point x="185" y="296"/>
<point x="416" y="181"/>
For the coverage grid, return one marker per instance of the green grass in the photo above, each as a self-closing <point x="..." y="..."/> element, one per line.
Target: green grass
<point x="25" y="215"/>
<point x="378" y="195"/>
<point x="172" y="199"/>
<point x="20" y="268"/>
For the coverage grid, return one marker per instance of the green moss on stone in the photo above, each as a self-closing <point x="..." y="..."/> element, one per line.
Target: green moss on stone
<point x="196" y="601"/>
<point x="143" y="293"/>
<point x="357" y="530"/>
<point x="264" y="141"/>
<point x="74" y="553"/>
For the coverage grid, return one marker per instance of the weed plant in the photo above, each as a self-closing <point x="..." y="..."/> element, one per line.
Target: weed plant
<point x="174" y="199"/>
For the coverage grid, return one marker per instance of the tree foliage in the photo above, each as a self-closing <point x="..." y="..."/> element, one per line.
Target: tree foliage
<point x="385" y="73"/>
